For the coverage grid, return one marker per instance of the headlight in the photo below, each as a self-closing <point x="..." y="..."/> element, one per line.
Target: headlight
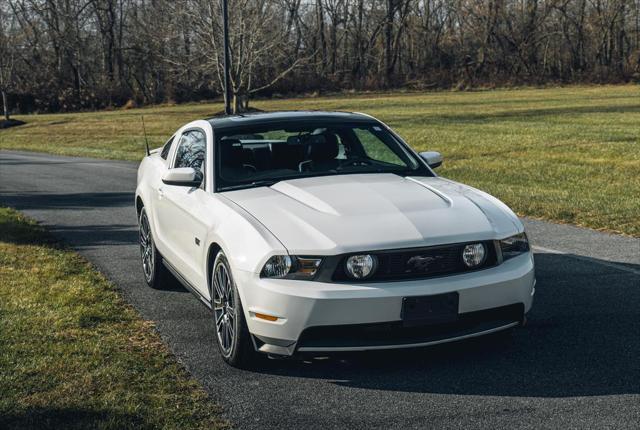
<point x="474" y="254"/>
<point x="284" y="266"/>
<point x="277" y="266"/>
<point x="514" y="246"/>
<point x="361" y="266"/>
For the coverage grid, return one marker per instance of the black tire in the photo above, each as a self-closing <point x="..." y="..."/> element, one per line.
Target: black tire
<point x="155" y="273"/>
<point x="232" y="335"/>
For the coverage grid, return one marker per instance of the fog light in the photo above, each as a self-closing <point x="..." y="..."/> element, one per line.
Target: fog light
<point x="361" y="266"/>
<point x="473" y="255"/>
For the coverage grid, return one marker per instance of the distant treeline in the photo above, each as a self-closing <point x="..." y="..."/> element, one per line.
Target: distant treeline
<point x="59" y="55"/>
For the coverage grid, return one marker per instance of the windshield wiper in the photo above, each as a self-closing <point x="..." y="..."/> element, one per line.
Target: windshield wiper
<point x="262" y="183"/>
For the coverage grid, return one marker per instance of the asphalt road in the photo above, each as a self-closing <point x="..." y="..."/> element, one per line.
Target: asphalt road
<point x="575" y="365"/>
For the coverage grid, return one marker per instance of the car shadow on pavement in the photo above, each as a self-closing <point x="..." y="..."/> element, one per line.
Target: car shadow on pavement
<point x="75" y="201"/>
<point x="87" y="234"/>
<point x="582" y="339"/>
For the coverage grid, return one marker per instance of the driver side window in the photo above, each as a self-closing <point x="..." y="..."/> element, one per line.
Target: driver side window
<point x="191" y="150"/>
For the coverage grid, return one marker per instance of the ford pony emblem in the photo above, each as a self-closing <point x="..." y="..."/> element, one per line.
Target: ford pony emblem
<point x="420" y="263"/>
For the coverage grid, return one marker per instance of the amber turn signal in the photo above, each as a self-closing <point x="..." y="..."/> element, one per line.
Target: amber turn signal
<point x="266" y="317"/>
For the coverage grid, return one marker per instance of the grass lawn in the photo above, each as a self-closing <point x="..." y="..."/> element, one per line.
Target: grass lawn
<point x="565" y="154"/>
<point x="73" y="354"/>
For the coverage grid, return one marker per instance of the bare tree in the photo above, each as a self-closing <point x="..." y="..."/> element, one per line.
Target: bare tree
<point x="7" y="58"/>
<point x="258" y="44"/>
<point x="88" y="54"/>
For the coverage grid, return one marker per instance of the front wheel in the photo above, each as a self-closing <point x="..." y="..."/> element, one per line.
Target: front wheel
<point x="232" y="334"/>
<point x="155" y="274"/>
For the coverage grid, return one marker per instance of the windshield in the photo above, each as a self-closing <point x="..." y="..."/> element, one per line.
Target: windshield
<point x="266" y="154"/>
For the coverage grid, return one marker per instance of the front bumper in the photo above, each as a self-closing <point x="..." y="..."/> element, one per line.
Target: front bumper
<point x="326" y="317"/>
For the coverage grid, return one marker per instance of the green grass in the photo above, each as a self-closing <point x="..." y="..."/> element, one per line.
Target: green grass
<point x="565" y="154"/>
<point x="73" y="354"/>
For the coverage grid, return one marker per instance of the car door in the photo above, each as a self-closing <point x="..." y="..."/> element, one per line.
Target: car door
<point x="181" y="230"/>
<point x="159" y="164"/>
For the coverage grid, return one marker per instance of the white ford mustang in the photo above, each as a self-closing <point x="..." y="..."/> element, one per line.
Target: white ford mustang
<point x="318" y="232"/>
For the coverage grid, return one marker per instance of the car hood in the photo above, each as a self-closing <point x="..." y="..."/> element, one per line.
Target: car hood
<point x="351" y="213"/>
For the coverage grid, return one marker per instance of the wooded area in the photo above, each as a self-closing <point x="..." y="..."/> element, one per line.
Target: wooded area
<point x="59" y="55"/>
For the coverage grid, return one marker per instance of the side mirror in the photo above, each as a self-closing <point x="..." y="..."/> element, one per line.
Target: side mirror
<point x="183" y="177"/>
<point x="433" y="159"/>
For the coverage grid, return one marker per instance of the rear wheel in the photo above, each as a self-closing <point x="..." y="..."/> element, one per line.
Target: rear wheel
<point x="155" y="274"/>
<point x="232" y="334"/>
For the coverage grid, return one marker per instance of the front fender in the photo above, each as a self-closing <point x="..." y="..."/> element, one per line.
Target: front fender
<point x="246" y="242"/>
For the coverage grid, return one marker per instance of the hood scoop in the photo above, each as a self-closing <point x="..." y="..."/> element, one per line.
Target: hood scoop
<point x="304" y="197"/>
<point x="362" y="195"/>
<point x="435" y="191"/>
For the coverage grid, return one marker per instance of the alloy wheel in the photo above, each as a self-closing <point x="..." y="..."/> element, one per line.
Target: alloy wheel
<point x="224" y="307"/>
<point x="146" y="247"/>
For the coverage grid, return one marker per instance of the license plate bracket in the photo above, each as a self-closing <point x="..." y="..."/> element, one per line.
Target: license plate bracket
<point x="425" y="310"/>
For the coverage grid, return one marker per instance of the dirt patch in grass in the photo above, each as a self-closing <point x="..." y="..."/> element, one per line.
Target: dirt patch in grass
<point x="73" y="354"/>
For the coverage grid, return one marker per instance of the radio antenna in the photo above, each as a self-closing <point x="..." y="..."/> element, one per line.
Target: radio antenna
<point x="146" y="141"/>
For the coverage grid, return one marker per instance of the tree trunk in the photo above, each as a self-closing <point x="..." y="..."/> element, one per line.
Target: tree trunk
<point x="240" y="102"/>
<point x="5" y="105"/>
<point x="323" y="41"/>
<point x="388" y="35"/>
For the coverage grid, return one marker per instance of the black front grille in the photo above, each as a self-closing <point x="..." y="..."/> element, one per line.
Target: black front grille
<point x="397" y="334"/>
<point x="418" y="263"/>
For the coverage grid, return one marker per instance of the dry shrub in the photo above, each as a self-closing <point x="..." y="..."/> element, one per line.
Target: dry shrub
<point x="130" y="104"/>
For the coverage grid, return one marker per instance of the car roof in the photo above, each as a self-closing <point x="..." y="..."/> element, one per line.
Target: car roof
<point x="258" y="118"/>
